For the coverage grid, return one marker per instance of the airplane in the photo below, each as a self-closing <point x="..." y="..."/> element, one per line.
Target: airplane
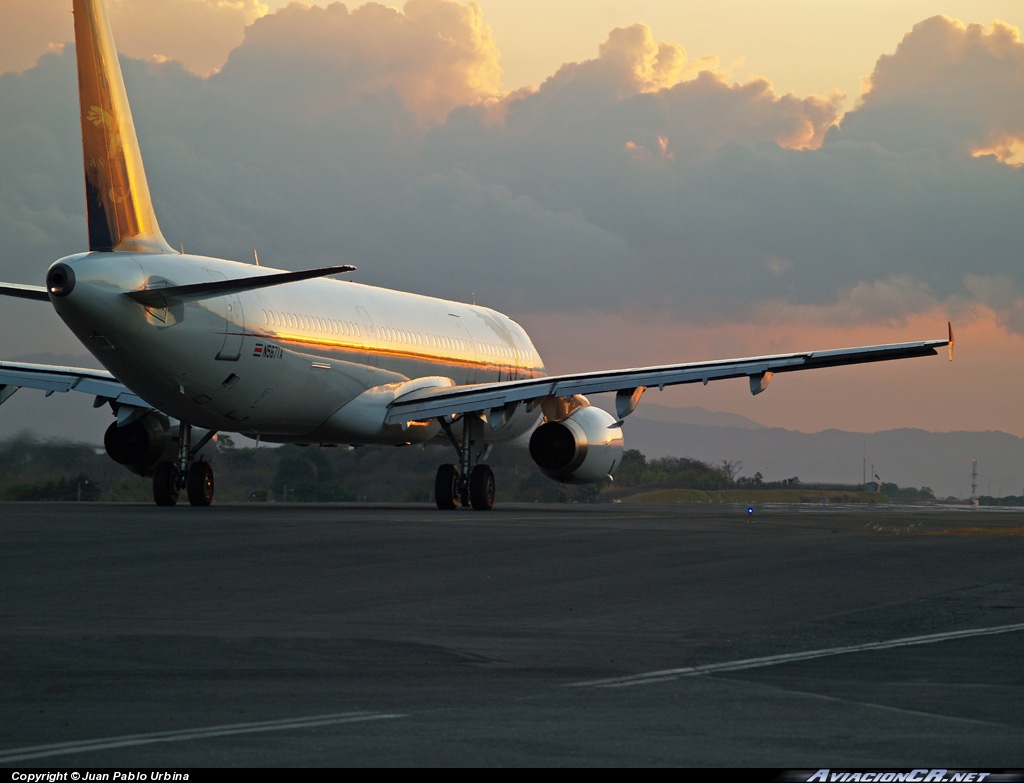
<point x="212" y="345"/>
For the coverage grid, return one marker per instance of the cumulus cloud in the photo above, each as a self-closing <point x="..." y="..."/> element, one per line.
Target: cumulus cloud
<point x="434" y="54"/>
<point x="949" y="87"/>
<point x="630" y="61"/>
<point x="636" y="83"/>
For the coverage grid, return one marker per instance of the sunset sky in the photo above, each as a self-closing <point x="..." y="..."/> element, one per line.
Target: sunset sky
<point x="636" y="183"/>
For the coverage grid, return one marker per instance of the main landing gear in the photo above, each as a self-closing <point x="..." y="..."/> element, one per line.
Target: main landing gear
<point x="468" y="483"/>
<point x="195" y="477"/>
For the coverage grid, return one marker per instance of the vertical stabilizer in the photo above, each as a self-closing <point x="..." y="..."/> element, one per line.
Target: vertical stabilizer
<point x="121" y="215"/>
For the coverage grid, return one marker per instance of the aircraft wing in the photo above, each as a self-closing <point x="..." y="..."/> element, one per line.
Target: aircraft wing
<point x="50" y="378"/>
<point x="629" y="384"/>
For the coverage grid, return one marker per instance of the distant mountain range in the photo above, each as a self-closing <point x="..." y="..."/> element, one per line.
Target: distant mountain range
<point x="907" y="457"/>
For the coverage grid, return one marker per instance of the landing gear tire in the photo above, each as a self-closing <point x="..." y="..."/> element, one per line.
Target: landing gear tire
<point x="165" y="484"/>
<point x="446" y="487"/>
<point x="200" y="484"/>
<point x="481" y="488"/>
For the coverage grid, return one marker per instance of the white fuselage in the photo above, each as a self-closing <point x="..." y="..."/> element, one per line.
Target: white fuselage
<point x="316" y="361"/>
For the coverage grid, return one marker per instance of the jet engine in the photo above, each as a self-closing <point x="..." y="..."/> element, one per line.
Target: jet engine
<point x="583" y="448"/>
<point x="140" y="445"/>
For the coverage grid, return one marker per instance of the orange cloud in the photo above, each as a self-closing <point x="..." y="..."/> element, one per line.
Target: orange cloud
<point x="1006" y="148"/>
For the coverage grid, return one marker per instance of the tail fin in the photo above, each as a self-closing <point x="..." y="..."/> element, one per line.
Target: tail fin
<point x="120" y="211"/>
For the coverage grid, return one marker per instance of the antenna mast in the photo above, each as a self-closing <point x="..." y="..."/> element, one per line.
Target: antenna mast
<point x="974" y="482"/>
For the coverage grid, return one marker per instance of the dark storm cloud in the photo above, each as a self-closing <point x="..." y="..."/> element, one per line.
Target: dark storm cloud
<point x="639" y="178"/>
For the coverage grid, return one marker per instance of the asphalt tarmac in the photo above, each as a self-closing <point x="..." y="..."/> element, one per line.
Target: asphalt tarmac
<point x="268" y="635"/>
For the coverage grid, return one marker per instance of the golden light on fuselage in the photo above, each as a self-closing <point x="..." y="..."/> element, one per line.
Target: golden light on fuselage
<point x="306" y="332"/>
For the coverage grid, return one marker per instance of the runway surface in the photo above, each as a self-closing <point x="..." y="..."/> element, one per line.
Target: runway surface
<point x="270" y="635"/>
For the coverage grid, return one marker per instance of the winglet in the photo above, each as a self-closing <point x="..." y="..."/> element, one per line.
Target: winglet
<point x="951" y="341"/>
<point x="120" y="211"/>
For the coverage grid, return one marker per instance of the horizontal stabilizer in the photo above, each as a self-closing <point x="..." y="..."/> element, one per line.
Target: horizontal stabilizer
<point x="159" y="297"/>
<point x="36" y="292"/>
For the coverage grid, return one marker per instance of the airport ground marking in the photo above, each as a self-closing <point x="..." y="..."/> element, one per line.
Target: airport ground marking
<point x="666" y="675"/>
<point x="185" y="735"/>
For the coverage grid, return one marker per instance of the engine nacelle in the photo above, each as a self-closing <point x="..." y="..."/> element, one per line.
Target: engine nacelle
<point x="583" y="448"/>
<point x="139" y="446"/>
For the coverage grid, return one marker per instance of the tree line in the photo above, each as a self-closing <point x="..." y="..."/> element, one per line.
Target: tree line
<point x="33" y="469"/>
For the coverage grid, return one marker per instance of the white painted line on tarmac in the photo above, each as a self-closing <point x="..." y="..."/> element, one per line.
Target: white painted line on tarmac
<point x="131" y="740"/>
<point x="775" y="660"/>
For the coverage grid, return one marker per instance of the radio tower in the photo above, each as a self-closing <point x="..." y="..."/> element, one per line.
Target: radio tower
<point x="974" y="483"/>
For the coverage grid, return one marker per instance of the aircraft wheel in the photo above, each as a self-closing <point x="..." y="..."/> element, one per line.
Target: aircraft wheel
<point x="165" y="484"/>
<point x="481" y="488"/>
<point x="200" y="484"/>
<point x="446" y="487"/>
